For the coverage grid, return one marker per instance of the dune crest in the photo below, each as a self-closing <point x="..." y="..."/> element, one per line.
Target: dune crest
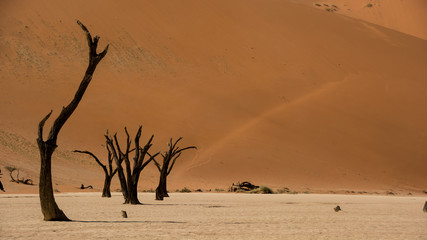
<point x="407" y="16"/>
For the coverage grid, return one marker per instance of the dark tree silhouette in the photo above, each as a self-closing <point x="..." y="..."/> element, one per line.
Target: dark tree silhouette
<point x="50" y="209"/>
<point x="169" y="159"/>
<point x="129" y="181"/>
<point x="1" y="185"/>
<point x="109" y="172"/>
<point x="27" y="181"/>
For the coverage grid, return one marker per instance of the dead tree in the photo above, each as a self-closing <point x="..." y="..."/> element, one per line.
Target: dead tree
<point x="244" y="186"/>
<point x="50" y="209"/>
<point x="109" y="172"/>
<point x="169" y="159"/>
<point x="1" y="184"/>
<point x="129" y="181"/>
<point x="27" y="181"/>
<point x="11" y="170"/>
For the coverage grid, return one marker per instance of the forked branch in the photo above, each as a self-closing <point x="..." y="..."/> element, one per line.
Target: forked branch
<point x="94" y="59"/>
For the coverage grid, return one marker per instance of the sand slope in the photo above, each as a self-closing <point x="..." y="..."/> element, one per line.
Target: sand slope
<point x="274" y="92"/>
<point x="407" y="16"/>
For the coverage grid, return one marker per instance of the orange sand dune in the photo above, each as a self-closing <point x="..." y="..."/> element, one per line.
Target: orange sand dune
<point x="407" y="16"/>
<point x="274" y="92"/>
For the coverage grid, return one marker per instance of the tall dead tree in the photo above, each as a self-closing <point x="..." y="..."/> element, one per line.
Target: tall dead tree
<point x="169" y="159"/>
<point x="109" y="172"/>
<point x="129" y="181"/>
<point x="50" y="209"/>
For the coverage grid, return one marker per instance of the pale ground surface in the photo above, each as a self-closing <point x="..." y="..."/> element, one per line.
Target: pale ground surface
<point x="217" y="216"/>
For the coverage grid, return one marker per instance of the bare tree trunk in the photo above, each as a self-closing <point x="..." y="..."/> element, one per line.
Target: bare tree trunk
<point x="133" y="194"/>
<point x="161" y="190"/>
<point x="106" y="190"/>
<point x="50" y="209"/>
<point x="123" y="184"/>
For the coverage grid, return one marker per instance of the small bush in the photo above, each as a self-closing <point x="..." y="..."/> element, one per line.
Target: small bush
<point x="369" y="5"/>
<point x="283" y="190"/>
<point x="219" y="190"/>
<point x="262" y="190"/>
<point x="185" y="190"/>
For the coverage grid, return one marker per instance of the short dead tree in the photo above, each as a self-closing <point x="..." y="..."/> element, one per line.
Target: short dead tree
<point x="87" y="187"/>
<point x="169" y="159"/>
<point x="337" y="208"/>
<point x="124" y="214"/>
<point x="244" y="186"/>
<point x="129" y="181"/>
<point x="26" y="181"/>
<point x="50" y="209"/>
<point x="109" y="172"/>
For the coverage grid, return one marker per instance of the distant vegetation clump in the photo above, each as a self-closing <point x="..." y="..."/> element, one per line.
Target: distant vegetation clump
<point x="184" y="190"/>
<point x="283" y="190"/>
<point x="262" y="190"/>
<point x="369" y="5"/>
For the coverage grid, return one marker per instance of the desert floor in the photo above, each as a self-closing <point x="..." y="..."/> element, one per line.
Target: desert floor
<point x="217" y="216"/>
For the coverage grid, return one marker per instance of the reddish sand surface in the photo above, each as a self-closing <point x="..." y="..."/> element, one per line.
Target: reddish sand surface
<point x="274" y="92"/>
<point x="407" y="16"/>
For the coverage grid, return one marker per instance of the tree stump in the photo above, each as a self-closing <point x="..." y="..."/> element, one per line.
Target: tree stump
<point x="425" y="207"/>
<point x="337" y="208"/>
<point x="124" y="214"/>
